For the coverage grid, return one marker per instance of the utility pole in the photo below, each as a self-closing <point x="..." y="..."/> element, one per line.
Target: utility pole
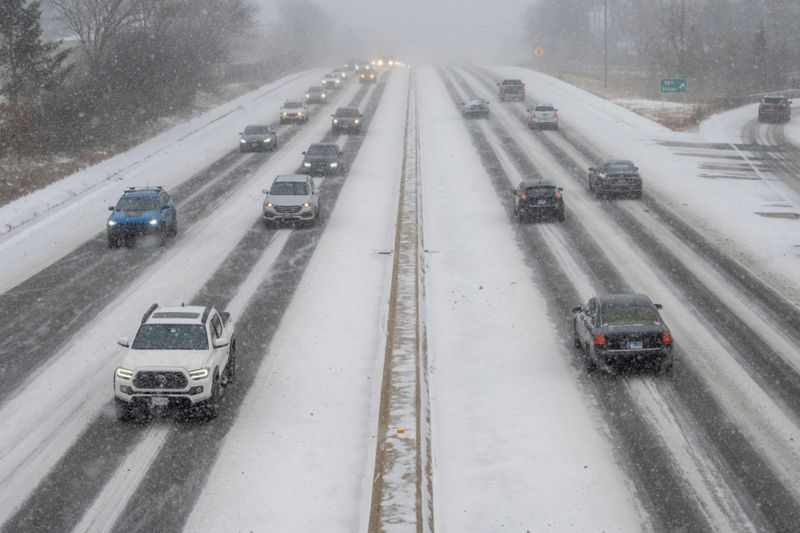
<point x="605" y="44"/>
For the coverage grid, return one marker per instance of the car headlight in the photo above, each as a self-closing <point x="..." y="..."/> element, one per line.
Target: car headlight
<point x="268" y="204"/>
<point x="308" y="95"/>
<point x="153" y="222"/>
<point x="336" y="121"/>
<point x="242" y="141"/>
<point x="306" y="164"/>
<point x="124" y="373"/>
<point x="356" y="121"/>
<point x="269" y="140"/>
<point x="334" y="165"/>
<point x="306" y="204"/>
<point x="200" y="373"/>
<point x="324" y="95"/>
<point x="284" y="114"/>
<point x="112" y="223"/>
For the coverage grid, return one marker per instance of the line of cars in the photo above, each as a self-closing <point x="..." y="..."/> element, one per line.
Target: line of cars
<point x="613" y="331"/>
<point x="181" y="359"/>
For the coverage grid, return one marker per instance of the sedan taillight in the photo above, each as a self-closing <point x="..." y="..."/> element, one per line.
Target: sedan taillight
<point x="600" y="339"/>
<point x="522" y="195"/>
<point x="666" y="336"/>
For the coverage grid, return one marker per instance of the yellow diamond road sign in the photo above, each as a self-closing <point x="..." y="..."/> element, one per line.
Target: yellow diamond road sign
<point x="538" y="52"/>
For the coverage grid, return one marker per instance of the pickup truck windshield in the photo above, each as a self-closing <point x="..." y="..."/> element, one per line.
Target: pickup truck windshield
<point x="171" y="337"/>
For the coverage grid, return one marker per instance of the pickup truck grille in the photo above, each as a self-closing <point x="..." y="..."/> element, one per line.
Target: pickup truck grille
<point x="287" y="208"/>
<point x="160" y="380"/>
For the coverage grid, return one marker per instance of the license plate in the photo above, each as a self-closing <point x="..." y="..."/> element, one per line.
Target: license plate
<point x="635" y="344"/>
<point x="159" y="402"/>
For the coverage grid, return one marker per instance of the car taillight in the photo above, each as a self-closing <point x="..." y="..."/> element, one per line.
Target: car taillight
<point x="555" y="114"/>
<point x="558" y="195"/>
<point x="522" y="195"/>
<point x="666" y="336"/>
<point x="533" y="114"/>
<point x="599" y="340"/>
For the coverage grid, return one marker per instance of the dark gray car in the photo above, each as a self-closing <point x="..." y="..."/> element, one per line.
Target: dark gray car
<point x="323" y="159"/>
<point x="257" y="138"/>
<point x="622" y="330"/>
<point x="347" y="119"/>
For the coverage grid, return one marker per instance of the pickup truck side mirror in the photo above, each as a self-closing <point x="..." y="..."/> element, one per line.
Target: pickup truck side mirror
<point x="221" y="342"/>
<point x="659" y="306"/>
<point x="304" y="153"/>
<point x="636" y="169"/>
<point x="124" y="341"/>
<point x="592" y="169"/>
<point x="240" y="133"/>
<point x="577" y="309"/>
<point x="264" y="191"/>
<point x="513" y="192"/>
<point x="528" y="109"/>
<point x="111" y="208"/>
<point x="333" y="115"/>
<point x="560" y="189"/>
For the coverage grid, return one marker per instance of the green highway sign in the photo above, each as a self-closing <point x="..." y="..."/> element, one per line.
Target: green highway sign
<point x="674" y="85"/>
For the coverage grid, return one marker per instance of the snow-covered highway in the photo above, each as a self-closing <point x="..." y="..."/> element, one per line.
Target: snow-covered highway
<point x="515" y="434"/>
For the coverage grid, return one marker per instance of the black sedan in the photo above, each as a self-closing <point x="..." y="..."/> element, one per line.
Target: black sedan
<point x="322" y="159"/>
<point x="258" y="138"/>
<point x="615" y="177"/>
<point x="538" y="199"/>
<point x="623" y="330"/>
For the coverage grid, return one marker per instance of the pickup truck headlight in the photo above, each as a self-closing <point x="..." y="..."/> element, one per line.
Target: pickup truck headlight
<point x="356" y="121"/>
<point x="124" y="373"/>
<point x="200" y="373"/>
<point x="153" y="222"/>
<point x="334" y="165"/>
<point x="268" y="140"/>
<point x="284" y="114"/>
<point x="336" y="121"/>
<point x="112" y="223"/>
<point x="242" y="141"/>
<point x="306" y="164"/>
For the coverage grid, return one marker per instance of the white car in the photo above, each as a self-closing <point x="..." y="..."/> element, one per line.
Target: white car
<point x="331" y="81"/>
<point x="293" y="198"/>
<point x="543" y="116"/>
<point x="294" y="110"/>
<point x="181" y="357"/>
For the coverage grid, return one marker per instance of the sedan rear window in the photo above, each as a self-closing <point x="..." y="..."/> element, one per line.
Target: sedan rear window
<point x="614" y="168"/>
<point x="628" y="314"/>
<point x="540" y="190"/>
<point x="544" y="108"/>
<point x="171" y="337"/>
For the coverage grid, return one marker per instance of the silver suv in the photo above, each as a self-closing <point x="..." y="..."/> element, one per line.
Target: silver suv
<point x="294" y="110"/>
<point x="292" y="197"/>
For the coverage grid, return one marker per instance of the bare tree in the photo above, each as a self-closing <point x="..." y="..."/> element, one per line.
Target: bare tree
<point x="96" y="23"/>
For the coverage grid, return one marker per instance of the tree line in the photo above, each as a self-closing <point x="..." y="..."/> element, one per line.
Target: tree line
<point x="128" y="62"/>
<point x="729" y="49"/>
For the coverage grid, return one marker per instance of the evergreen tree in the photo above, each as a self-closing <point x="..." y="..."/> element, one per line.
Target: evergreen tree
<point x="28" y="65"/>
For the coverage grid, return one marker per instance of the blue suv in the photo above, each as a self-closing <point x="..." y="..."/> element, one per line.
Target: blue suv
<point x="141" y="211"/>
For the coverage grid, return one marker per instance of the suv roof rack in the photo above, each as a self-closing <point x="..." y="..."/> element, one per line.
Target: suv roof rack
<point x="149" y="312"/>
<point x="133" y="188"/>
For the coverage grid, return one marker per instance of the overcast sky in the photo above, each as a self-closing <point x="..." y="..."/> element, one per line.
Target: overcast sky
<point x="437" y="31"/>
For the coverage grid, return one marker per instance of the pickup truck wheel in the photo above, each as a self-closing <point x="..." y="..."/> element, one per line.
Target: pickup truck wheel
<point x="230" y="368"/>
<point x="125" y="411"/>
<point x="112" y="242"/>
<point x="561" y="215"/>
<point x="211" y="409"/>
<point x="591" y="365"/>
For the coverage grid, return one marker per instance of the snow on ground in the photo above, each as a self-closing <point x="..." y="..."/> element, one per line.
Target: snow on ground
<point x="44" y="226"/>
<point x="515" y="445"/>
<point x="724" y="207"/>
<point x="301" y="455"/>
<point x="52" y="407"/>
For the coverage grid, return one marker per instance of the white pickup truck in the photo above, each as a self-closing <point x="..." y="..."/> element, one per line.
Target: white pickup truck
<point x="180" y="358"/>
